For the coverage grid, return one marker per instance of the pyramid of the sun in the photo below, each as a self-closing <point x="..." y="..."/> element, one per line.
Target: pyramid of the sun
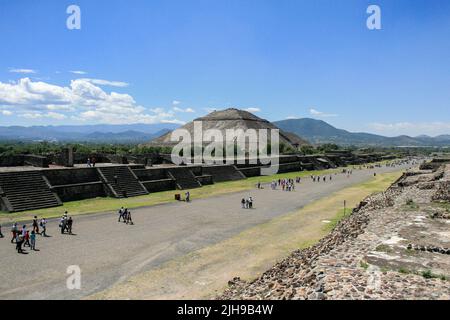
<point x="233" y="119"/>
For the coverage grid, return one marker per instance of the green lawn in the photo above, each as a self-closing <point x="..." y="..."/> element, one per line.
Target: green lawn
<point x="106" y="204"/>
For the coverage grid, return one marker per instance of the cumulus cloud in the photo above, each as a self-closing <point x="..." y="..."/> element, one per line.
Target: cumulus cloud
<point x="82" y="100"/>
<point x="176" y="102"/>
<point x="78" y="72"/>
<point x="253" y="110"/>
<point x="102" y="82"/>
<point x="25" y="71"/>
<point x="320" y="114"/>
<point x="6" y="113"/>
<point x="187" y="110"/>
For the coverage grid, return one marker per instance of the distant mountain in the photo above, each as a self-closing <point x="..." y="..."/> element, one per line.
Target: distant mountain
<point x="134" y="133"/>
<point x="319" y="132"/>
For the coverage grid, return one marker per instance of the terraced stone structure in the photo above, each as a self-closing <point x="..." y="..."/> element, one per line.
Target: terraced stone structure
<point x="233" y="119"/>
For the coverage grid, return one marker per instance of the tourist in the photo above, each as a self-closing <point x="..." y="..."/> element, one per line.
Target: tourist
<point x="63" y="223"/>
<point x="121" y="211"/>
<point x="124" y="215"/>
<point x="250" y="203"/>
<point x="129" y="220"/>
<point x="27" y="239"/>
<point x="14" y="232"/>
<point x="243" y="203"/>
<point x="89" y="162"/>
<point x="44" y="227"/>
<point x="188" y="196"/>
<point x="33" y="241"/>
<point x="93" y="161"/>
<point x="19" y="242"/>
<point x="35" y="224"/>
<point x="1" y="234"/>
<point x="69" y="225"/>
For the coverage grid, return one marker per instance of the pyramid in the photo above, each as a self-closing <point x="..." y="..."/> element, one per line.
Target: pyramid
<point x="233" y="119"/>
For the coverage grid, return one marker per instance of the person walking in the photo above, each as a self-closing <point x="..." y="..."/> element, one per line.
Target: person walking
<point x="33" y="241"/>
<point x="35" y="224"/>
<point x="69" y="225"/>
<point x="63" y="224"/>
<point x="19" y="242"/>
<point x="121" y="211"/>
<point x="1" y="234"/>
<point x="250" y="203"/>
<point x="243" y="203"/>
<point x="188" y="196"/>
<point x="129" y="220"/>
<point x="27" y="239"/>
<point x="44" y="227"/>
<point x="14" y="232"/>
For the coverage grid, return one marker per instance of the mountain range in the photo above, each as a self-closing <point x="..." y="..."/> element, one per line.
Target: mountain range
<point x="313" y="130"/>
<point x="103" y="133"/>
<point x="319" y="132"/>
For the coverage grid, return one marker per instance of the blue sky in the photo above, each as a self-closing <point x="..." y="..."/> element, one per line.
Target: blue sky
<point x="171" y="61"/>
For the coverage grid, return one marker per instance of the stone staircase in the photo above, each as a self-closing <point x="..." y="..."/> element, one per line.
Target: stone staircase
<point x="26" y="190"/>
<point x="184" y="178"/>
<point x="222" y="173"/>
<point x="126" y="184"/>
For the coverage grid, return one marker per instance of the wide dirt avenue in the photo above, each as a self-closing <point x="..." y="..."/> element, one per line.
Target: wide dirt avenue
<point x="109" y="252"/>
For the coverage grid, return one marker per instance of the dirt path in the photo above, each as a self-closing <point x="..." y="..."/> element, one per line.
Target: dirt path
<point x="205" y="272"/>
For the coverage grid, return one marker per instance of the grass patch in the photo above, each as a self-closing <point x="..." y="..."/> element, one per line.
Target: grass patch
<point x="364" y="265"/>
<point x="411" y="205"/>
<point x="384" y="248"/>
<point x="404" y="270"/>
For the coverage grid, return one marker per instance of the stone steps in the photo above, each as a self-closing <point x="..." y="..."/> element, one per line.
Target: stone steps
<point x="27" y="190"/>
<point x="184" y="178"/>
<point x="222" y="173"/>
<point x="126" y="185"/>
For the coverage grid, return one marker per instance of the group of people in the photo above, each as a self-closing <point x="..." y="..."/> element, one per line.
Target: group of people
<point x="125" y="216"/>
<point x="319" y="178"/>
<point x="23" y="237"/>
<point x="65" y="224"/>
<point x="247" y="203"/>
<point x="91" y="162"/>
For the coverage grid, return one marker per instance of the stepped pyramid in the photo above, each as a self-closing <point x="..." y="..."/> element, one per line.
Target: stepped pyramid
<point x="234" y="119"/>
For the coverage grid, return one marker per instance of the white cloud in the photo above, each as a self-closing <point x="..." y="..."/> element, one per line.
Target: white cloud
<point x="6" y="113"/>
<point x="174" y="121"/>
<point x="102" y="82"/>
<point x="187" y="110"/>
<point x="412" y="129"/>
<point x="176" y="102"/>
<point x="253" y="110"/>
<point x="291" y="117"/>
<point x="319" y="114"/>
<point x="78" y="72"/>
<point x="82" y="100"/>
<point x="26" y="71"/>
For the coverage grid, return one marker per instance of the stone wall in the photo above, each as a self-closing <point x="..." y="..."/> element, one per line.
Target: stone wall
<point x="159" y="185"/>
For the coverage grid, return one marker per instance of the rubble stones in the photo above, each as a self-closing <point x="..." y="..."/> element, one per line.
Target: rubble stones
<point x="380" y="251"/>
